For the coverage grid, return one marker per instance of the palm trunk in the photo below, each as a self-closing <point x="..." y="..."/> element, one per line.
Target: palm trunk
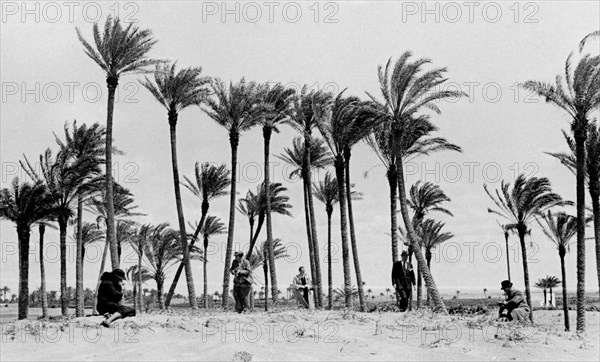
<point x="507" y="256"/>
<point x="110" y="206"/>
<point x="64" y="298"/>
<point x="561" y="254"/>
<point x="545" y="298"/>
<point x="550" y="291"/>
<point x="266" y="273"/>
<point x="271" y="256"/>
<point x="159" y="292"/>
<point x="253" y="239"/>
<point x="182" y="233"/>
<point x="392" y="177"/>
<point x="438" y="303"/>
<point x="313" y="224"/>
<point x="139" y="276"/>
<point x="79" y="307"/>
<point x="311" y="255"/>
<point x="420" y="287"/>
<point x="23" y="233"/>
<point x="359" y="282"/>
<point x="580" y="137"/>
<point x="428" y="258"/>
<point x="102" y="264"/>
<point x="42" y="230"/>
<point x="339" y="173"/>
<point x="329" y="269"/>
<point x="522" y="230"/>
<point x="595" y="194"/>
<point x="234" y="141"/>
<point x="204" y="271"/>
<point x="205" y="206"/>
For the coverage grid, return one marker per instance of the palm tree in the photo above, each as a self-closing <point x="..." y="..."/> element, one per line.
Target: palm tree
<point x="258" y="258"/>
<point x="327" y="192"/>
<point x="212" y="226"/>
<point x="24" y="204"/>
<point x="560" y="228"/>
<point x="319" y="159"/>
<point x="42" y="225"/>
<point x="210" y="182"/>
<point x="133" y="272"/>
<point x="506" y="229"/>
<point x="5" y="290"/>
<point x="310" y="109"/>
<point x="552" y="282"/>
<point x="579" y="96"/>
<point x="543" y="284"/>
<point x="176" y="91"/>
<point x="89" y="233"/>
<point x="66" y="178"/>
<point x="592" y="176"/>
<point x="519" y="205"/>
<point x="424" y="198"/>
<point x="162" y="249"/>
<point x="431" y="235"/>
<point x="340" y="293"/>
<point x="233" y="107"/>
<point x="84" y="144"/>
<point x="274" y="109"/>
<point x="118" y="51"/>
<point x="406" y="91"/>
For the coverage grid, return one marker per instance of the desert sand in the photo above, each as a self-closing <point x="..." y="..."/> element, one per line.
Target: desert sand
<point x="300" y="335"/>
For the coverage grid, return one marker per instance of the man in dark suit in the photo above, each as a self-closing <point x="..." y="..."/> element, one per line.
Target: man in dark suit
<point x="403" y="279"/>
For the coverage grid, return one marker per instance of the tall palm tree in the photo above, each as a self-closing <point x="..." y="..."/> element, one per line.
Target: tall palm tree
<point x="310" y="109"/>
<point x="579" y="96"/>
<point x="327" y="192"/>
<point x="424" y="198"/>
<point x="592" y="176"/>
<point x="24" y="204"/>
<point x="66" y="178"/>
<point x="560" y="228"/>
<point x="274" y="109"/>
<point x="407" y="90"/>
<point x="212" y="226"/>
<point x="117" y="51"/>
<point x="210" y="182"/>
<point x="320" y="158"/>
<point x="519" y="205"/>
<point x="176" y="91"/>
<point x="233" y="107"/>
<point x="84" y="144"/>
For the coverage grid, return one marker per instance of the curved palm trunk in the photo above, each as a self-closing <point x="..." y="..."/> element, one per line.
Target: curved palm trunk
<point x="64" y="298"/>
<point x="580" y="137"/>
<point x="253" y="239"/>
<point x="339" y="173"/>
<point x="313" y="225"/>
<point x="359" y="282"/>
<point x="233" y="141"/>
<point x="102" y="264"/>
<point x="205" y="206"/>
<point x="42" y="230"/>
<point x="182" y="233"/>
<point x="438" y="303"/>
<point x="110" y="206"/>
<point x="329" y="270"/>
<point x="23" y="235"/>
<point x="521" y="231"/>
<point x="561" y="254"/>
<point x="271" y="257"/>
<point x="595" y="194"/>
<point x="507" y="257"/>
<point x="204" y="271"/>
<point x="79" y="307"/>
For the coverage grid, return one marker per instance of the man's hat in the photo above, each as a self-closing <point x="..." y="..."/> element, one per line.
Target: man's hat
<point x="119" y="273"/>
<point x="239" y="253"/>
<point x="404" y="252"/>
<point x="506" y="284"/>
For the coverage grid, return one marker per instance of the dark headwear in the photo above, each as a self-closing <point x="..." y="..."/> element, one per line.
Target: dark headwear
<point x="239" y="253"/>
<point x="119" y="274"/>
<point x="404" y="252"/>
<point x="506" y="284"/>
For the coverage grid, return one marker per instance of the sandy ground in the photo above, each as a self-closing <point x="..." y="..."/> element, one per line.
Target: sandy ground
<point x="300" y="335"/>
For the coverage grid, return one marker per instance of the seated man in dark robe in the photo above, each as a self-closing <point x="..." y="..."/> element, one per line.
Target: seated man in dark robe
<point x="110" y="294"/>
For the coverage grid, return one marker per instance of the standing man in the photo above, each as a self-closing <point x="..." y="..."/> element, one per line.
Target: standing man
<point x="302" y="285"/>
<point x="403" y="279"/>
<point x="515" y="307"/>
<point x="242" y="281"/>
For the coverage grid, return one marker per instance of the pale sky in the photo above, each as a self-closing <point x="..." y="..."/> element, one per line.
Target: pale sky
<point x="488" y="47"/>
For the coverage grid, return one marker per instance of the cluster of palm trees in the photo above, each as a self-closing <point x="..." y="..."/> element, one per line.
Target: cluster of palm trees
<point x="394" y="124"/>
